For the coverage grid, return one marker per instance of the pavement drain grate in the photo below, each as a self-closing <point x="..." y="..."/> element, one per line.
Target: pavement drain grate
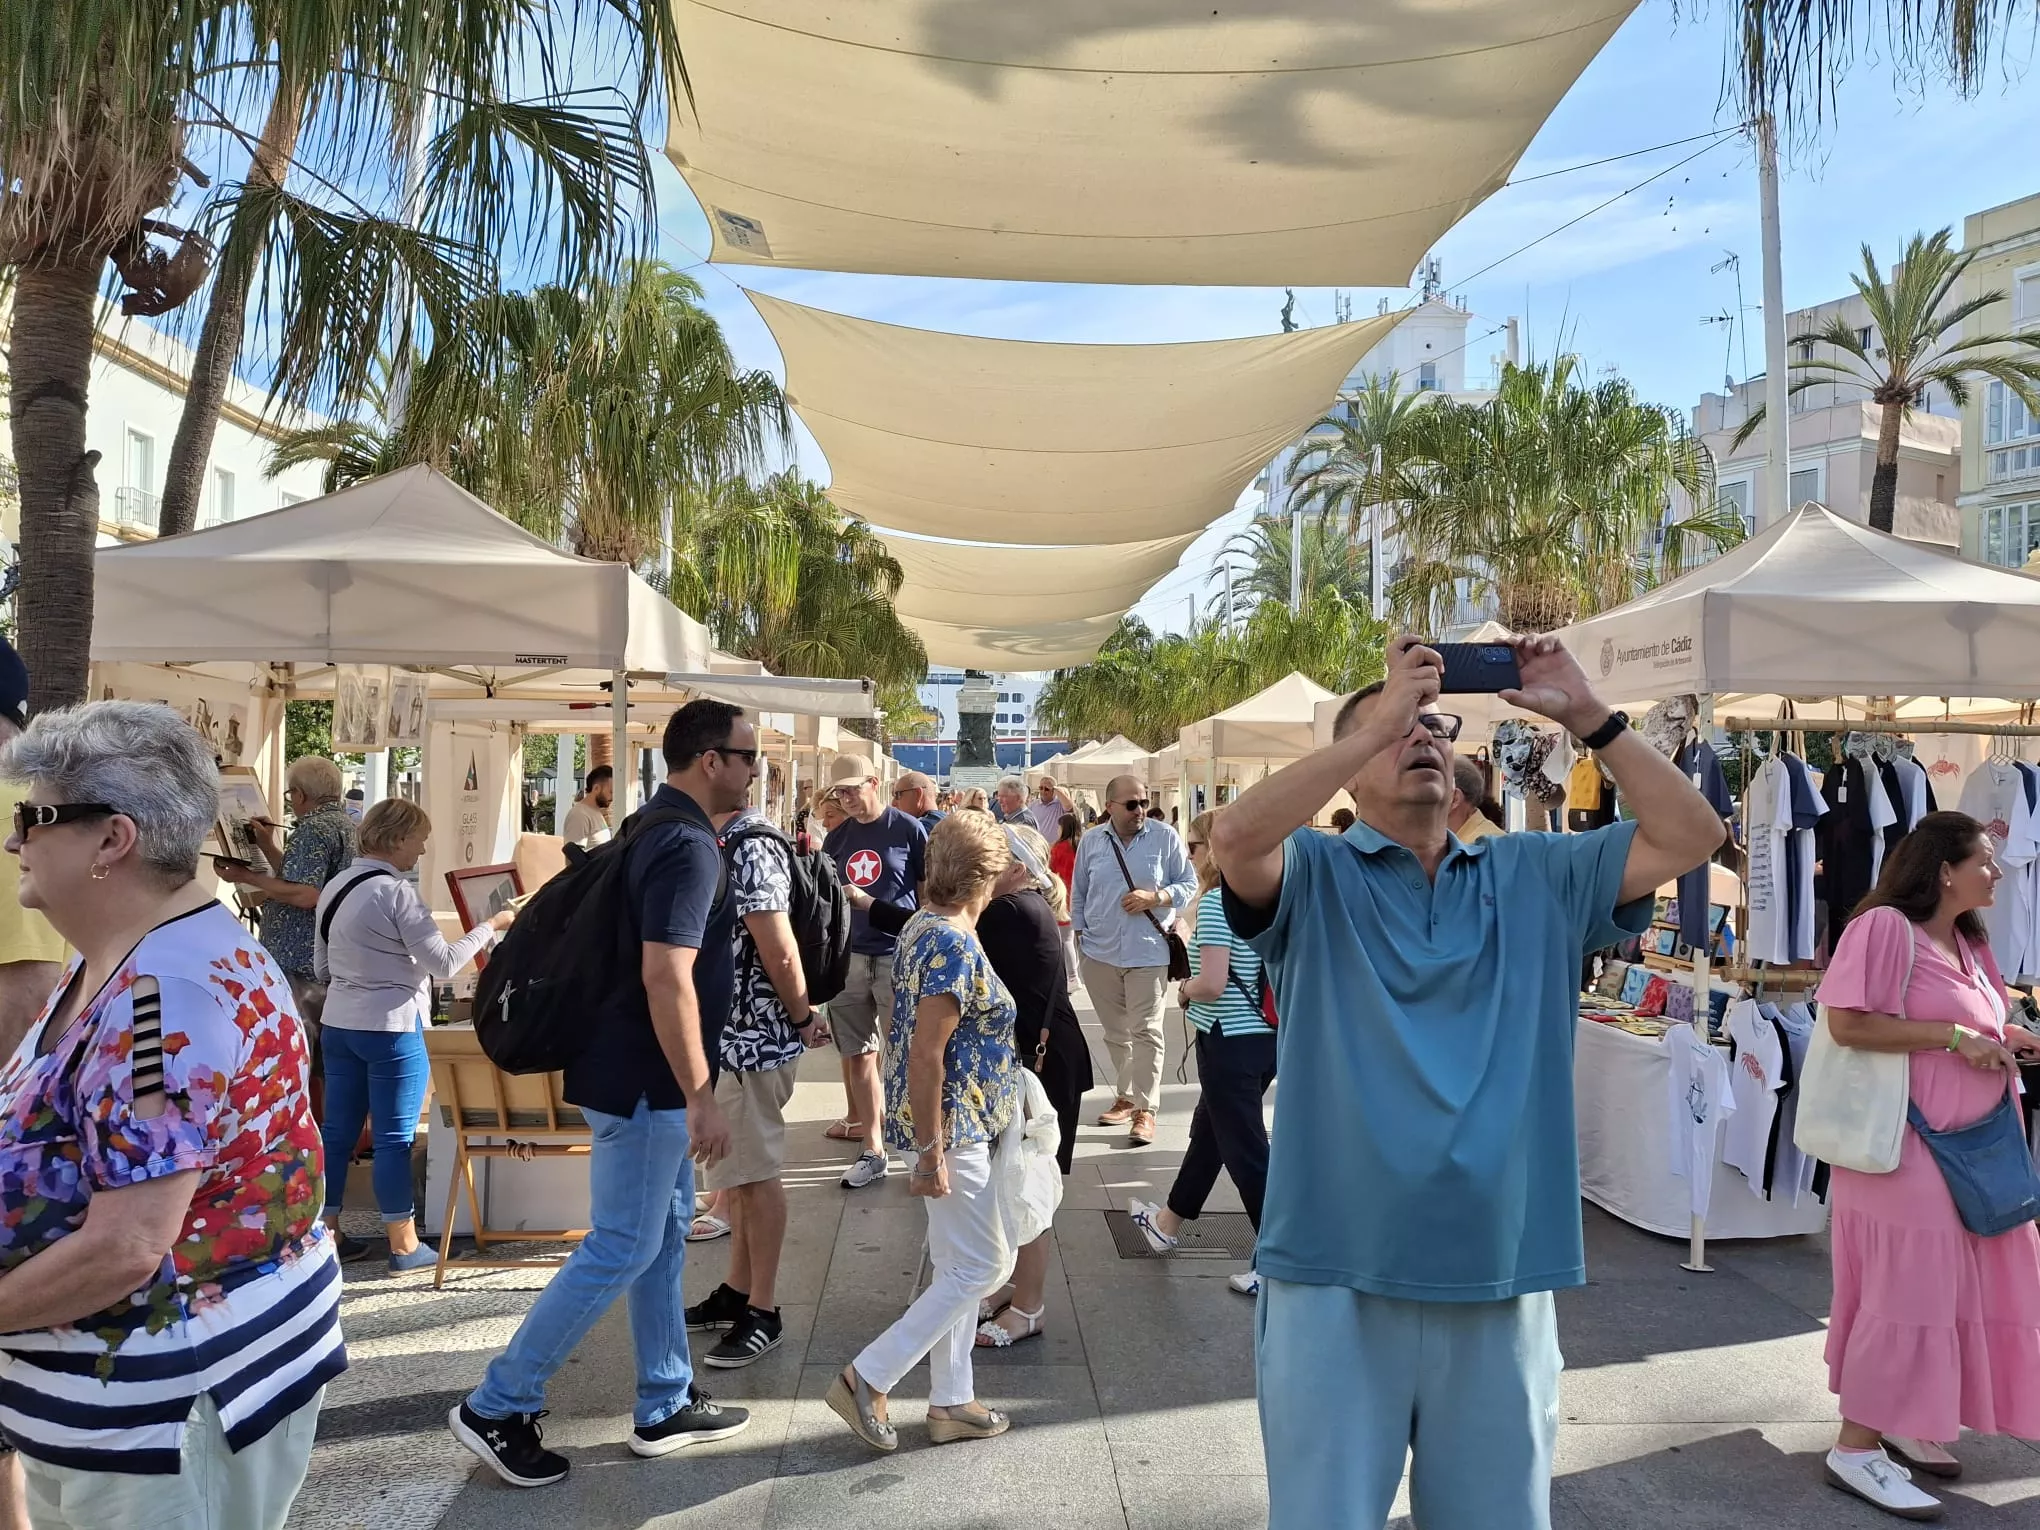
<point x="1216" y="1235"/>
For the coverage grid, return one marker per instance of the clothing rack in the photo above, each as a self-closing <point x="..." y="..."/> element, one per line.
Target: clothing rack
<point x="1878" y="725"/>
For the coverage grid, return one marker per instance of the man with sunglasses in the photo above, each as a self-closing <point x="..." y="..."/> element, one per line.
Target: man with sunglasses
<point x="1423" y="1188"/>
<point x="645" y="1078"/>
<point x="1132" y="877"/>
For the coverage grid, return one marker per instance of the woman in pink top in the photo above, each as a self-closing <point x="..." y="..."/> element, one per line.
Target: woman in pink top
<point x="1933" y="1329"/>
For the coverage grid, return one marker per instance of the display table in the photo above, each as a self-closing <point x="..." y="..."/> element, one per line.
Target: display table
<point x="1620" y="1082"/>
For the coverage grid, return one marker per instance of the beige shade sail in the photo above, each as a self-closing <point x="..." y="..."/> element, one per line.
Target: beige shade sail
<point x="1020" y="441"/>
<point x="956" y="582"/>
<point x="1309" y="142"/>
<point x="1025" y="645"/>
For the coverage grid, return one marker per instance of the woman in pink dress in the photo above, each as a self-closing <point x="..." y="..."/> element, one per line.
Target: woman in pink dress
<point x="1933" y="1329"/>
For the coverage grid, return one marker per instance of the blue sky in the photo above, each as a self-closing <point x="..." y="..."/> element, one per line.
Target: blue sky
<point x="1627" y="288"/>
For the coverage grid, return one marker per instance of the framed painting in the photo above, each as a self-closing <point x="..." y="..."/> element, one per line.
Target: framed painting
<point x="482" y="892"/>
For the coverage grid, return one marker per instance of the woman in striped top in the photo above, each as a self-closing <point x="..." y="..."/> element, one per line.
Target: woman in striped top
<point x="169" y="1301"/>
<point x="1235" y="1066"/>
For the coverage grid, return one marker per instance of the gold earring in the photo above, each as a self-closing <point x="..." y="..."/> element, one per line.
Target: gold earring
<point x="101" y="871"/>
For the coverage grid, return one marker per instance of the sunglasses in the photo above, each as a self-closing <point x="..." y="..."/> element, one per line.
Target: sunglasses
<point x="1137" y="803"/>
<point x="1440" y="725"/>
<point x="43" y="815"/>
<point x="1195" y="844"/>
<point x="748" y="756"/>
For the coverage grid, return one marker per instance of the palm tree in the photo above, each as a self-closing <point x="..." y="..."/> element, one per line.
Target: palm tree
<point x="594" y="418"/>
<point x="1331" y="560"/>
<point x="780" y="575"/>
<point x="1915" y="342"/>
<point x="1546" y="497"/>
<point x="100" y="108"/>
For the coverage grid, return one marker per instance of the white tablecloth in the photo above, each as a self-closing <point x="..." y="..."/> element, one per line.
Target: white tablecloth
<point x="1625" y="1148"/>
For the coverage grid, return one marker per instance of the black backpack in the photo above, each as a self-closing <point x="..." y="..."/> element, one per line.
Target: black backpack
<point x="572" y="956"/>
<point x="820" y="912"/>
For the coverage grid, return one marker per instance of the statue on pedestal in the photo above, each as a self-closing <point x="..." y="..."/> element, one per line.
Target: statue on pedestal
<point x="975" y="704"/>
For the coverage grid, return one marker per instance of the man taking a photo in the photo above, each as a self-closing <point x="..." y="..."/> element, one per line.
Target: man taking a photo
<point x="1423" y="1188"/>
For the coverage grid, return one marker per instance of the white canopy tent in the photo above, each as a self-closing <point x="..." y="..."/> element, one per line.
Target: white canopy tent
<point x="1316" y="142"/>
<point x="1117" y="756"/>
<point x="1821" y="606"/>
<point x="1274" y="724"/>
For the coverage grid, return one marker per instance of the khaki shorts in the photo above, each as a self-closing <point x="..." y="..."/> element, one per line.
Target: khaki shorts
<point x="754" y="1104"/>
<point x="861" y="1013"/>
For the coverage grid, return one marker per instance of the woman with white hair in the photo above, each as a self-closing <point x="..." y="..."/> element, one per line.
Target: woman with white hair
<point x="169" y="1307"/>
<point x="1021" y="938"/>
<point x="380" y="949"/>
<point x="952" y="1086"/>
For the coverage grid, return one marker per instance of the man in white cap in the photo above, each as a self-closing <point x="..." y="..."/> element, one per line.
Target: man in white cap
<point x="880" y="851"/>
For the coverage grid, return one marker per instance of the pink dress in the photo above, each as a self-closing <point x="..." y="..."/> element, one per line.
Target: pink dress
<point x="1932" y="1329"/>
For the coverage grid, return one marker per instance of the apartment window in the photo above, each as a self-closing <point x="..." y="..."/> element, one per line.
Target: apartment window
<point x="2026" y="296"/>
<point x="1734" y="498"/>
<point x="2011" y="435"/>
<point x="1427" y="375"/>
<point x="221" y="509"/>
<point x="1864" y="336"/>
<point x="2011" y="533"/>
<point x="285" y="499"/>
<point x="1804" y="348"/>
<point x="134" y="503"/>
<point x="1804" y="485"/>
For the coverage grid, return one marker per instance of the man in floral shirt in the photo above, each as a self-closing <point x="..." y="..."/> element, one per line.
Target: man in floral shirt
<point x="770" y="1025"/>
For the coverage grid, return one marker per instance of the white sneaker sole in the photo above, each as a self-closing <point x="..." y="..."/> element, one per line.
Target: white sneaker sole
<point x="480" y="1447"/>
<point x="1923" y="1512"/>
<point x="652" y="1449"/>
<point x="1162" y="1246"/>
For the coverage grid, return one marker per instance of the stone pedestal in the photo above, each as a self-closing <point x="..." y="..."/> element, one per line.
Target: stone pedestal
<point x="977" y="762"/>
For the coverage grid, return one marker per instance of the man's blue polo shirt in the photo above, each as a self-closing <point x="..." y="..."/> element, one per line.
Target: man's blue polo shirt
<point x="1423" y="1144"/>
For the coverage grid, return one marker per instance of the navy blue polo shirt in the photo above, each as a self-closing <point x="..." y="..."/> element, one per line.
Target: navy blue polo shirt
<point x="679" y="896"/>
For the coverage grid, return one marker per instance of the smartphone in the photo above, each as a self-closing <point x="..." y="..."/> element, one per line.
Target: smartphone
<point x="1478" y="668"/>
<point x="230" y="860"/>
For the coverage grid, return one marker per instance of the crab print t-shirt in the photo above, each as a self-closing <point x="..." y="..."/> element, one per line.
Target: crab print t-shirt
<point x="980" y="1073"/>
<point x="190" y="1058"/>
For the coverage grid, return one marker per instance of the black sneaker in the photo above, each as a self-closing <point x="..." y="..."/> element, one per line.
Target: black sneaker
<point x="722" y="1308"/>
<point x="696" y="1424"/>
<point x="351" y="1249"/>
<point x="749" y="1337"/>
<point x="510" y="1446"/>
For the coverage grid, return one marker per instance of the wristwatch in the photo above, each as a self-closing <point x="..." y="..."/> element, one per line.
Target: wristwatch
<point x="1609" y="731"/>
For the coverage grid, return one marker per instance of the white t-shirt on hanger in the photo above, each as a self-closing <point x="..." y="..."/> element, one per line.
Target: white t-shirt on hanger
<point x="1995" y="796"/>
<point x="1699" y="1099"/>
<point x="1764" y="890"/>
<point x="1950" y="759"/>
<point x="1755" y="1077"/>
<point x="1799" y="896"/>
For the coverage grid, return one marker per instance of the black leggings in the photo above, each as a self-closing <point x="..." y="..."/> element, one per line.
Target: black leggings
<point x="1227" y="1131"/>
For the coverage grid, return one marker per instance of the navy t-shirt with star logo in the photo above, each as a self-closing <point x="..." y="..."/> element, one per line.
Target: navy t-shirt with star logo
<point x="886" y="858"/>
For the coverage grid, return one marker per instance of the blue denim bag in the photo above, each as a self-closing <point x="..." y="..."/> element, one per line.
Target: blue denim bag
<point x="1988" y="1167"/>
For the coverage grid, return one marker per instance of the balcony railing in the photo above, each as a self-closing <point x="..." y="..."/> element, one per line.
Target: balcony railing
<point x="135" y="507"/>
<point x="2008" y="462"/>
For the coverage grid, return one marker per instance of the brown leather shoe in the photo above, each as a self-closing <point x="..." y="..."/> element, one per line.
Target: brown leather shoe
<point x="1143" y="1128"/>
<point x="1120" y="1113"/>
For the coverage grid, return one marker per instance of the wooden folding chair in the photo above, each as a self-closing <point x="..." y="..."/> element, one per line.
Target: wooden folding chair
<point x="478" y="1100"/>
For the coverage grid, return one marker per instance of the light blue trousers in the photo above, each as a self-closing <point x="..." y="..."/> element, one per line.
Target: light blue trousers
<point x="1351" y="1384"/>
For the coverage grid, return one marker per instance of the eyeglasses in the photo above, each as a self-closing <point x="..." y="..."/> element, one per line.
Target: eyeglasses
<point x="1441" y="725"/>
<point x="851" y="788"/>
<point x="43" y="815"/>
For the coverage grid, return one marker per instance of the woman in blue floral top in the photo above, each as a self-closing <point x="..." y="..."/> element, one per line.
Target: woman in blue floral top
<point x="952" y="1085"/>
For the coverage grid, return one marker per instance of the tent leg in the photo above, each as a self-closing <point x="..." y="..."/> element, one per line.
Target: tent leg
<point x="619" y="732"/>
<point x="1703" y="987"/>
<point x="1696" y="1250"/>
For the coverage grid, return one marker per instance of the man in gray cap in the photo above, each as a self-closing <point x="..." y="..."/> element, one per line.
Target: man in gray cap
<point x="880" y="851"/>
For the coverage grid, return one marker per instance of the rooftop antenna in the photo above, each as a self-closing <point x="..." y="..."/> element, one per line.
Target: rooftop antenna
<point x="1728" y="317"/>
<point x="1433" y="277"/>
<point x="1730" y="261"/>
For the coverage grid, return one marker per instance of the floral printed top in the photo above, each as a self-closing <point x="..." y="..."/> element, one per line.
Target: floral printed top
<point x="199" y="1003"/>
<point x="980" y="1073"/>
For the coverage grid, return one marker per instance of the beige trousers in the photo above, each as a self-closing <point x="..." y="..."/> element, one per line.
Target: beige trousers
<point x="1132" y="1003"/>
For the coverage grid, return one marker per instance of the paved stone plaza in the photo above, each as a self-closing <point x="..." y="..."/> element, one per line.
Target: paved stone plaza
<point x="1690" y="1401"/>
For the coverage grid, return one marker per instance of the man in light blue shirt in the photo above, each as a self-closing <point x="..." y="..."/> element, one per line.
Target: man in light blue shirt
<point x="1120" y="906"/>
<point x="1423" y="1183"/>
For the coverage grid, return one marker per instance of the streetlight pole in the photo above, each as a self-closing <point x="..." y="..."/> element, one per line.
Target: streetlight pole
<point x="1777" y="419"/>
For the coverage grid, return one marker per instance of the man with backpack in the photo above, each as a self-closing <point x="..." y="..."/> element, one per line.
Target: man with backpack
<point x="772" y="1022"/>
<point x="639" y="1072"/>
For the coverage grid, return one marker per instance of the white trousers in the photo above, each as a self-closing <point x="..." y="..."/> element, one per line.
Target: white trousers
<point x="968" y="1251"/>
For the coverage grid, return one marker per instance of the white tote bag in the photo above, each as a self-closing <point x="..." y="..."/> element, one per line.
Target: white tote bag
<point x="1029" y="1178"/>
<point x="1852" y="1101"/>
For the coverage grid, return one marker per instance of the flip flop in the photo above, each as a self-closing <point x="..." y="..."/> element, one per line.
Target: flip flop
<point x="845" y="1130"/>
<point x="707" y="1228"/>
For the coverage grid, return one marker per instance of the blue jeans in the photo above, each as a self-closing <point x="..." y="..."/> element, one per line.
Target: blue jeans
<point x="1350" y="1383"/>
<point x="379" y="1076"/>
<point x="640" y="1203"/>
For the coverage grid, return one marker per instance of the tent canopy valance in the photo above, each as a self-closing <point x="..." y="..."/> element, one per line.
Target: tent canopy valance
<point x="1274" y="724"/>
<point x="1818" y="605"/>
<point x="1316" y="142"/>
